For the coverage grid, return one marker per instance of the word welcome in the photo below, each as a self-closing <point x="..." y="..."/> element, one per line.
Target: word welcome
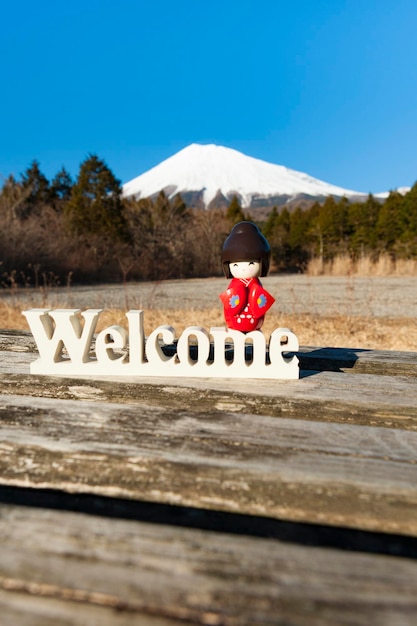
<point x="65" y="339"/>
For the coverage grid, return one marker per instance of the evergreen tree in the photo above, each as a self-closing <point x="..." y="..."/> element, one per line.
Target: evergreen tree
<point x="330" y="227"/>
<point x="234" y="211"/>
<point x="36" y="190"/>
<point x="95" y="204"/>
<point x="326" y="228"/>
<point x="372" y="209"/>
<point x="61" y="187"/>
<point x="363" y="220"/>
<point x="298" y="239"/>
<point x="283" y="226"/>
<point x="389" y="225"/>
<point x="271" y="224"/>
<point x="277" y="231"/>
<point x="408" y="221"/>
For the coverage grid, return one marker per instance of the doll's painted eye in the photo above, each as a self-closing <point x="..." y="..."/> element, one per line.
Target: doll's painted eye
<point x="251" y="262"/>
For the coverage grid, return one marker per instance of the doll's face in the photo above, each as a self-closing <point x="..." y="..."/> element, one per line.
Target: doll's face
<point x="245" y="269"/>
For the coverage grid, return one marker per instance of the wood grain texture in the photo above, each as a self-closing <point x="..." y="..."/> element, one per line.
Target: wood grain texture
<point x="195" y="577"/>
<point x="388" y="401"/>
<point x="28" y="604"/>
<point x="359" y="361"/>
<point x="361" y="477"/>
<point x="337" y="448"/>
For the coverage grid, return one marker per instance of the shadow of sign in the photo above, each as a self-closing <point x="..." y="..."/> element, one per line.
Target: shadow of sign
<point x="327" y="359"/>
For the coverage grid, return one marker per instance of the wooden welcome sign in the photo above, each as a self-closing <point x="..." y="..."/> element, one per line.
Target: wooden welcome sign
<point x="68" y="345"/>
<point x="239" y="351"/>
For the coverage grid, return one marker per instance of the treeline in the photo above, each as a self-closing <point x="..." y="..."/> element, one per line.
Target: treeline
<point x="84" y="231"/>
<point x="343" y="228"/>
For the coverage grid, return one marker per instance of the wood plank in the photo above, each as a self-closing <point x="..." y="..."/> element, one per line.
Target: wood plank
<point x="17" y="341"/>
<point x="191" y="576"/>
<point x="389" y="401"/>
<point x="28" y="604"/>
<point x="359" y="361"/>
<point x="339" y="474"/>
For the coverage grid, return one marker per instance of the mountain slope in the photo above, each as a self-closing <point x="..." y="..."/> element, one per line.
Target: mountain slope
<point x="207" y="171"/>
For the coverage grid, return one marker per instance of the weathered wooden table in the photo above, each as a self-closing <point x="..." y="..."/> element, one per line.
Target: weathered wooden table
<point x="210" y="501"/>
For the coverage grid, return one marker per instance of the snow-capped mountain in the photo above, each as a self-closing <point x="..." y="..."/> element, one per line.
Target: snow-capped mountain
<point x="204" y="173"/>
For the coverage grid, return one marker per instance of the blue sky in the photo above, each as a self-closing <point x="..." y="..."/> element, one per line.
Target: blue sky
<point x="327" y="87"/>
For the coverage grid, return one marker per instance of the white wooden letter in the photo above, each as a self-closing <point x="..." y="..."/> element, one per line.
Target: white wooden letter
<point x="136" y="338"/>
<point x="203" y="346"/>
<point x="154" y="352"/>
<point x="110" y="339"/>
<point x="283" y="340"/>
<point x="54" y="330"/>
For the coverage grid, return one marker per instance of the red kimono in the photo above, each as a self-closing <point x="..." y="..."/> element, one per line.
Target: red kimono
<point x="245" y="303"/>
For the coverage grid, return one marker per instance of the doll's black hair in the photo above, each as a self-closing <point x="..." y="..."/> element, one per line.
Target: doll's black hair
<point x="246" y="243"/>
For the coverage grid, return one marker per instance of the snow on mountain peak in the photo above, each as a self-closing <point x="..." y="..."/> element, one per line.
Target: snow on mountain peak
<point x="213" y="169"/>
<point x="384" y="194"/>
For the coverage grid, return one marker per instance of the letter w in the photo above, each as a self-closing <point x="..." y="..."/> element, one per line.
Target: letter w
<point x="54" y="330"/>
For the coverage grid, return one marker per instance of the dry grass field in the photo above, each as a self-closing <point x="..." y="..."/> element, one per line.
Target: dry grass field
<point x="374" y="312"/>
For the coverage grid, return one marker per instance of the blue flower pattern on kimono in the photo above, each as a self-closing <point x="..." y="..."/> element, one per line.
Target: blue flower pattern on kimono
<point x="261" y="302"/>
<point x="234" y="301"/>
